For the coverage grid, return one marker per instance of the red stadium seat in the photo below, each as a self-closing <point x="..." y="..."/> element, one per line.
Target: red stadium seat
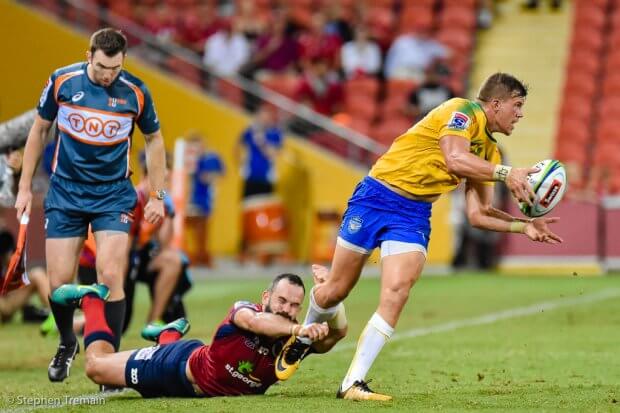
<point x="573" y="131"/>
<point x="386" y="132"/>
<point x="362" y="86"/>
<point x="575" y="107"/>
<point x="457" y="39"/>
<point x="185" y="70"/>
<point x="581" y="85"/>
<point x="461" y="17"/>
<point x="587" y="39"/>
<point x="229" y="92"/>
<point x="399" y="87"/>
<point x="580" y="5"/>
<point x="421" y="3"/>
<point x="585" y="60"/>
<point x="591" y="18"/>
<point x="610" y="108"/>
<point x="607" y="153"/>
<point x="365" y="108"/>
<point x="330" y="141"/>
<point x="415" y="19"/>
<point x="571" y="152"/>
<point x="394" y="105"/>
<point x="611" y="84"/>
<point x="285" y="84"/>
<point x="360" y="125"/>
<point x="469" y="4"/>
<point x="608" y="131"/>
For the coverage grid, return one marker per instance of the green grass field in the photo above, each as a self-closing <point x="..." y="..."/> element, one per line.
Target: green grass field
<point x="464" y="343"/>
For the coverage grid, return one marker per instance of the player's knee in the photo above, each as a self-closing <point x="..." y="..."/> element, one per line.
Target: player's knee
<point x="398" y="293"/>
<point x="92" y="369"/>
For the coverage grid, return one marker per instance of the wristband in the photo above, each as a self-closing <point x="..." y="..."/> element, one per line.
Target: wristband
<point x="517" y="226"/>
<point x="501" y="172"/>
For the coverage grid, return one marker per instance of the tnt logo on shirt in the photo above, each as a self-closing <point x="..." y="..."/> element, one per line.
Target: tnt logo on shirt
<point x="94" y="126"/>
<point x="458" y="121"/>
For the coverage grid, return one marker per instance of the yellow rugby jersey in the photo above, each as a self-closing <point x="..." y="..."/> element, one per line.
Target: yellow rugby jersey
<point x="415" y="163"/>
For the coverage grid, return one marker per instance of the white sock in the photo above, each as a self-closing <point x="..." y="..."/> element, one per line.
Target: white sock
<point x="317" y="314"/>
<point x="374" y="336"/>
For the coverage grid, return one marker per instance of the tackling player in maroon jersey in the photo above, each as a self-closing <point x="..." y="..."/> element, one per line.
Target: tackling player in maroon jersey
<point x="240" y="359"/>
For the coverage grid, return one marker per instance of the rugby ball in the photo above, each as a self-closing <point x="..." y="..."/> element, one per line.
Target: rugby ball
<point x="549" y="184"/>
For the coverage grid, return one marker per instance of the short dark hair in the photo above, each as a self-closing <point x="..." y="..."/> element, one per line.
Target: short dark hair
<point x="501" y="86"/>
<point x="110" y="41"/>
<point x="292" y="278"/>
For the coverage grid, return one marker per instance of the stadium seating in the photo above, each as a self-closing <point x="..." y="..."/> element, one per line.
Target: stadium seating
<point x="370" y="102"/>
<point x="588" y="124"/>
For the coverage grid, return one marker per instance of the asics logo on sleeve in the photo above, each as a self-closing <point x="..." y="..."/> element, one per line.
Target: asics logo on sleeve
<point x="77" y="97"/>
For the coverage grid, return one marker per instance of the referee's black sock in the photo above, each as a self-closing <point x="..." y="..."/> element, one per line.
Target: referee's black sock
<point x="63" y="315"/>
<point x="115" y="316"/>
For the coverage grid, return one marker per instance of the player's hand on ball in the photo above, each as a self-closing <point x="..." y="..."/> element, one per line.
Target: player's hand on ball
<point x="314" y="331"/>
<point x="154" y="211"/>
<point x="538" y="230"/>
<point x="517" y="183"/>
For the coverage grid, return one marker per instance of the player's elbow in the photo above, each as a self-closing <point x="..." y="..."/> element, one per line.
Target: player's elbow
<point x="476" y="219"/>
<point x="454" y="163"/>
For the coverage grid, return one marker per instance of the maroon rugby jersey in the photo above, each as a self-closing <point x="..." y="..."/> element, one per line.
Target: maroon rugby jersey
<point x="237" y="361"/>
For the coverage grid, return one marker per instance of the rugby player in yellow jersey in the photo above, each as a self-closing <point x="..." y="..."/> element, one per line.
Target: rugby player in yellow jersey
<point x="391" y="208"/>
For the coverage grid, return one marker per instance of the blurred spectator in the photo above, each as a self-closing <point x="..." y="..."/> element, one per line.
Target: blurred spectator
<point x="411" y="54"/>
<point x="433" y="92"/>
<point x="337" y="23"/>
<point x="276" y="51"/>
<point x="256" y="152"/>
<point x="197" y="24"/>
<point x="10" y="168"/>
<point x="248" y="21"/>
<point x="162" y="23"/>
<point x="320" y="88"/>
<point x="19" y="299"/>
<point x="533" y="4"/>
<point x="207" y="167"/>
<point x="226" y="51"/>
<point x="485" y="14"/>
<point x="320" y="42"/>
<point x="361" y="56"/>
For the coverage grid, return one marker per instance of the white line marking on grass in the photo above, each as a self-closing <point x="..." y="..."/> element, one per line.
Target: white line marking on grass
<point x="416" y="332"/>
<point x="498" y="316"/>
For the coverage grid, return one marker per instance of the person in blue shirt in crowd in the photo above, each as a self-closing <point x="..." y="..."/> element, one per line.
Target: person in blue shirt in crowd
<point x="206" y="167"/>
<point x="257" y="149"/>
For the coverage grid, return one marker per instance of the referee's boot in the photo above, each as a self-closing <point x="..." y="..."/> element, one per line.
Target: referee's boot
<point x="60" y="365"/>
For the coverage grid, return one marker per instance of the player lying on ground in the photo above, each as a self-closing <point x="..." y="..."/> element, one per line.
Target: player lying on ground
<point x="240" y="359"/>
<point x="391" y="208"/>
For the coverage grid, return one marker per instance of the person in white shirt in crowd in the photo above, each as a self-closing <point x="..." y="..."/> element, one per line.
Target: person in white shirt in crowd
<point x="411" y="54"/>
<point x="226" y="51"/>
<point x="361" y="55"/>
